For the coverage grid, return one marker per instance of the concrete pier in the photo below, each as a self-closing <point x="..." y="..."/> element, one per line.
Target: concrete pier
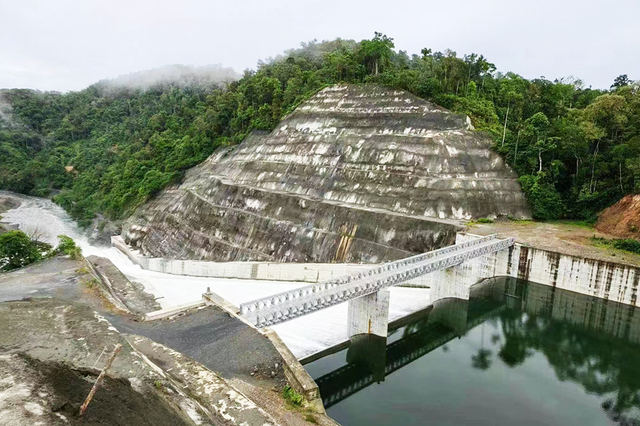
<point x="369" y="314"/>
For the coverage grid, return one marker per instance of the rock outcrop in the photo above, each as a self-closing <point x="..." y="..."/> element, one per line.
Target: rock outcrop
<point x="356" y="173"/>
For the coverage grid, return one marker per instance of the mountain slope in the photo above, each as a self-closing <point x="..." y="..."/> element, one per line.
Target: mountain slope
<point x="356" y="173"/>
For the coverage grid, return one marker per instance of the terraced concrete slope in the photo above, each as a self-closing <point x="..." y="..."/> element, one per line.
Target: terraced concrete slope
<point x="356" y="173"/>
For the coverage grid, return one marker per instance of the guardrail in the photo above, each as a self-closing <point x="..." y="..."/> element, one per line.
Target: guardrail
<point x="288" y="305"/>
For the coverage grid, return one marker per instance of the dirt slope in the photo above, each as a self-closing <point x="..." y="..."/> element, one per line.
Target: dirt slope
<point x="622" y="219"/>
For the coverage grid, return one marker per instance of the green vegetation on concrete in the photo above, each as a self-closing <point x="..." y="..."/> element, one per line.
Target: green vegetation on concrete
<point x="292" y="397"/>
<point x="68" y="246"/>
<point x="108" y="149"/>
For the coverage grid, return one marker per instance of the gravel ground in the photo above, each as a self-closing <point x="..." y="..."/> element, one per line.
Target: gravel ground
<point x="560" y="237"/>
<point x="211" y="336"/>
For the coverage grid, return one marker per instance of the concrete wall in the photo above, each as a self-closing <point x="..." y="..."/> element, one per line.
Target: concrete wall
<point x="270" y="271"/>
<point x="606" y="280"/>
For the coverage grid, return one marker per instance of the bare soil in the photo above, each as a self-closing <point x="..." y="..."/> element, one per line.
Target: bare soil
<point x="51" y="352"/>
<point x="565" y="238"/>
<point x="53" y="392"/>
<point x="622" y="219"/>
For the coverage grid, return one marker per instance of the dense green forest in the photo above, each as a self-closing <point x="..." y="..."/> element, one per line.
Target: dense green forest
<point x="107" y="149"/>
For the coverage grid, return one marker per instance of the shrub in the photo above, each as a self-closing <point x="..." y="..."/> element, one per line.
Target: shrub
<point x="68" y="246"/>
<point x="630" y="245"/>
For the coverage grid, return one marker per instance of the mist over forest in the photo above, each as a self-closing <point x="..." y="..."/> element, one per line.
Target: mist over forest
<point x="108" y="148"/>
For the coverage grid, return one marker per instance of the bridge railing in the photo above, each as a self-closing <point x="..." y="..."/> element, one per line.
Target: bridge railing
<point x="291" y="304"/>
<point x="371" y="273"/>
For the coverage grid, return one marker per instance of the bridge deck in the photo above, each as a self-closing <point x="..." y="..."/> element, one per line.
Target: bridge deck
<point x="292" y="304"/>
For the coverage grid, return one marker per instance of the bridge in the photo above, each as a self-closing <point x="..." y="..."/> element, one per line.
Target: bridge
<point x="455" y="269"/>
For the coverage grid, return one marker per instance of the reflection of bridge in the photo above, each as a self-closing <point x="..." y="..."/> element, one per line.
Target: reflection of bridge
<point x="366" y="291"/>
<point x="370" y="361"/>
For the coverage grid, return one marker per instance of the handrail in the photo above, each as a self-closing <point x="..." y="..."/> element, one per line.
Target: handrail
<point x="346" y="279"/>
<point x="291" y="304"/>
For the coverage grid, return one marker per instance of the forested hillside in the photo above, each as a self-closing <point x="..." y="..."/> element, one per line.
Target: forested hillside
<point x="110" y="147"/>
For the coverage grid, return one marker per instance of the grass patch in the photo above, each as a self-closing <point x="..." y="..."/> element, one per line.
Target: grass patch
<point x="479" y="221"/>
<point x="82" y="270"/>
<point x="91" y="284"/>
<point x="484" y="220"/>
<point x="627" y="245"/>
<point x="588" y="224"/>
<point x="311" y="419"/>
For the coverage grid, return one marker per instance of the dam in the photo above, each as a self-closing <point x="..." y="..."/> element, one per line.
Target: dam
<point x="497" y="355"/>
<point x="342" y="232"/>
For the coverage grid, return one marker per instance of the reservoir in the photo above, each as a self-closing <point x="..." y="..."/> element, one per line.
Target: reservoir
<point x="516" y="353"/>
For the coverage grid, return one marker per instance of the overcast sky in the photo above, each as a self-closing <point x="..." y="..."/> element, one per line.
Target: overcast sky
<point x="68" y="45"/>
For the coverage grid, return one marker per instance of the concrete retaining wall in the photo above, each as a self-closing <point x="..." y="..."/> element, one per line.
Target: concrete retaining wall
<point x="271" y="271"/>
<point x="606" y="280"/>
<point x="105" y="286"/>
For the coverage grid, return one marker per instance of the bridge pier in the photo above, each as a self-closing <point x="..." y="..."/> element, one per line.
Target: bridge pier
<point x="456" y="282"/>
<point x="369" y="314"/>
<point x="370" y="352"/>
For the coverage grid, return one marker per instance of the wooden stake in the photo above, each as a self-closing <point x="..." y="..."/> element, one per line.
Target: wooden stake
<point x="99" y="380"/>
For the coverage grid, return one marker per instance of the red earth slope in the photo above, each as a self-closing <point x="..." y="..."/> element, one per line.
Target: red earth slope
<point x="622" y="219"/>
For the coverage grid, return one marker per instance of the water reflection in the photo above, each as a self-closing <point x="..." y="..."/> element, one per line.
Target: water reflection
<point x="509" y="332"/>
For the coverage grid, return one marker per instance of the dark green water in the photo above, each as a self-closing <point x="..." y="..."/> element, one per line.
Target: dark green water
<point x="515" y="354"/>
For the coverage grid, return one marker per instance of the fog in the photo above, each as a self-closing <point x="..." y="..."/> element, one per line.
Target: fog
<point x="6" y="116"/>
<point x="70" y="44"/>
<point x="176" y="75"/>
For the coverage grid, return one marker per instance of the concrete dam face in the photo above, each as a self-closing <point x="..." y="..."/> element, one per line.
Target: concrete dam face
<point x="358" y="173"/>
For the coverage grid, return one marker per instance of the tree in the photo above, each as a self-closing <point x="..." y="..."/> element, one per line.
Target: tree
<point x="546" y="203"/>
<point x="377" y="52"/>
<point x="621" y="81"/>
<point x="17" y="250"/>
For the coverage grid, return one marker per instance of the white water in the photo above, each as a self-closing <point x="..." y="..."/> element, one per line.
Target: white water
<point x="304" y="336"/>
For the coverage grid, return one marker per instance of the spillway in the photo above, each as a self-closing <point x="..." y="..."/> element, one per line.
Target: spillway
<point x="304" y="336"/>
